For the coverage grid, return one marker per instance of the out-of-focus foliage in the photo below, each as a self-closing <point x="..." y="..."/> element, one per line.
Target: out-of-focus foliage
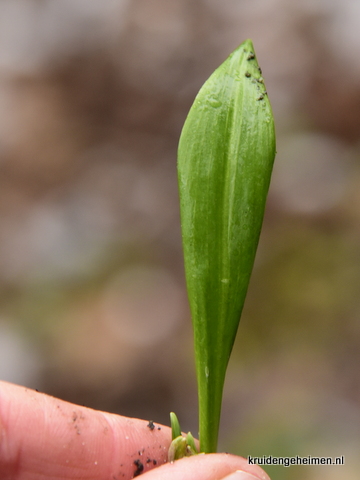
<point x="93" y="308"/>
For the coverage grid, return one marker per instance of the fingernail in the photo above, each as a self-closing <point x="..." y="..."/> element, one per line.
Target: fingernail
<point x="240" y="475"/>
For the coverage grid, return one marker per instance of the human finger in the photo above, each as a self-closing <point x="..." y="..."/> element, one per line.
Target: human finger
<point x="43" y="437"/>
<point x="219" y="466"/>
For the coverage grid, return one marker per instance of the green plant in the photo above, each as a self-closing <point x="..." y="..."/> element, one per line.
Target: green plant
<point x="225" y="158"/>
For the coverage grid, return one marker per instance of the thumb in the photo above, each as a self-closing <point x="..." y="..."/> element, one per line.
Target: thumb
<point x="216" y="466"/>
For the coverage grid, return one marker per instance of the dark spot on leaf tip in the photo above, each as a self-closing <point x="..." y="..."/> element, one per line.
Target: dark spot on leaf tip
<point x="247" y="74"/>
<point x="251" y="56"/>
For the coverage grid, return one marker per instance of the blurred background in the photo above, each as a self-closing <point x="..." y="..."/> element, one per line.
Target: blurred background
<point x="93" y="305"/>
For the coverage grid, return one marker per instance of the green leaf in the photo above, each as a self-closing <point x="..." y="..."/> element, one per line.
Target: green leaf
<point x="180" y="446"/>
<point x="225" y="158"/>
<point x="177" y="449"/>
<point x="175" y="426"/>
<point x="191" y="444"/>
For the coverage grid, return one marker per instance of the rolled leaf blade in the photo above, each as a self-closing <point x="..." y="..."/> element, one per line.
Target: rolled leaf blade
<point x="175" y="426"/>
<point x="225" y="158"/>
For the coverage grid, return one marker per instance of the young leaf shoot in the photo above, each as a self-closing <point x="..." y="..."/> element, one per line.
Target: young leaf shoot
<point x="225" y="158"/>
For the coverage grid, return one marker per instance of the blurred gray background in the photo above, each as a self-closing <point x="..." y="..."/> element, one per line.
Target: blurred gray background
<point x="93" y="304"/>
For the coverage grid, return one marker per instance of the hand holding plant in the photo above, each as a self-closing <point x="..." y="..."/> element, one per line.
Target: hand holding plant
<point x="44" y="437"/>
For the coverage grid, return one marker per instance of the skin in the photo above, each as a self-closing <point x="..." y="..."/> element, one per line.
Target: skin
<point x="43" y="437"/>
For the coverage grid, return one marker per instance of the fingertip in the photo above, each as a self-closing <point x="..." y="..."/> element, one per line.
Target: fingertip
<point x="48" y="437"/>
<point x="208" y="467"/>
<point x="242" y="475"/>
